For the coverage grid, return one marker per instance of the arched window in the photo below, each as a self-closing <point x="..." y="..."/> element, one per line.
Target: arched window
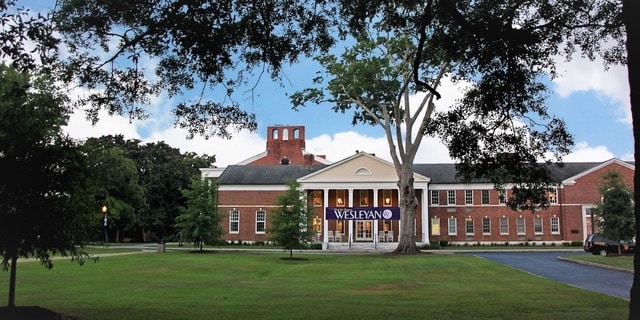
<point x="296" y="133"/>
<point x="285" y="134"/>
<point x="274" y="134"/>
<point x="363" y="172"/>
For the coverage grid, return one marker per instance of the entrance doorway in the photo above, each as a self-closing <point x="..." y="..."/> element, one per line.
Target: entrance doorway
<point x="364" y="230"/>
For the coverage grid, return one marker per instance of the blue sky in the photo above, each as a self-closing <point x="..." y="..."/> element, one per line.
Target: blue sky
<point x="594" y="103"/>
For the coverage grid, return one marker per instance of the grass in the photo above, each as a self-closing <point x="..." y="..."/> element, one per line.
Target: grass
<point x="239" y="285"/>
<point x="618" y="261"/>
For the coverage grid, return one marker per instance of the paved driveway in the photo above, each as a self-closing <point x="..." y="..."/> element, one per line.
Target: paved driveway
<point x="547" y="265"/>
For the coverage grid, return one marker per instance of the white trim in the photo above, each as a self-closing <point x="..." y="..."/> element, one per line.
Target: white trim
<point x="417" y="177"/>
<point x="482" y="226"/>
<point x="316" y="157"/>
<point x="211" y="172"/>
<point x="455" y="226"/>
<point x="572" y="180"/>
<point x="238" y="221"/>
<point x="254" y="158"/>
<point x="245" y="187"/>
<point x="551" y="224"/>
<point x="248" y="206"/>
<point x="500" y="226"/>
<point x="541" y="226"/>
<point x="263" y="221"/>
<point x="524" y="226"/>
<point x="461" y="186"/>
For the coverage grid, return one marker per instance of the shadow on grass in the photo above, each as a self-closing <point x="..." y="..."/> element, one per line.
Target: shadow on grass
<point x="31" y="313"/>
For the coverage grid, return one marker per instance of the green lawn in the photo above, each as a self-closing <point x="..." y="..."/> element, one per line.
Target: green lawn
<point x="238" y="285"/>
<point x="618" y="261"/>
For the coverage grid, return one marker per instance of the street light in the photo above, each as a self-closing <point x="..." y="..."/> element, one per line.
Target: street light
<point x="104" y="223"/>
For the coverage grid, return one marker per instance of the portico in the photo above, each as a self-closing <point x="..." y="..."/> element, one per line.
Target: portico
<point x="356" y="204"/>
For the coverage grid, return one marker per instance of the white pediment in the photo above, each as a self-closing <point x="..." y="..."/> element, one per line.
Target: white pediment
<point x="361" y="167"/>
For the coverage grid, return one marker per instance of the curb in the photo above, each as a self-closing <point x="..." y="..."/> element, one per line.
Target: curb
<point x="593" y="264"/>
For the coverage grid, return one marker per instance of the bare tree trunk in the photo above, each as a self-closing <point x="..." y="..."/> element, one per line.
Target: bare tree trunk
<point x="408" y="204"/>
<point x="12" y="280"/>
<point x="632" y="25"/>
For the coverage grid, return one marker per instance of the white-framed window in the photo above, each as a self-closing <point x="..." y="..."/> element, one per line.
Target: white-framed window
<point x="468" y="197"/>
<point x="387" y="199"/>
<point x="485" y="196"/>
<point x="453" y="228"/>
<point x="261" y="221"/>
<point x="435" y="197"/>
<point x="340" y="198"/>
<point x="317" y="198"/>
<point x="555" y="225"/>
<point x="364" y="198"/>
<point x="234" y="221"/>
<point x="520" y="227"/>
<point x="451" y="197"/>
<point x="468" y="226"/>
<point x="486" y="226"/>
<point x="435" y="226"/>
<point x="502" y="196"/>
<point x="504" y="226"/>
<point x="553" y="195"/>
<point x="537" y="225"/>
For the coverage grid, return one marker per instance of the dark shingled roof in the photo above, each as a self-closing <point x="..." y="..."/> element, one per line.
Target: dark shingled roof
<point x="437" y="172"/>
<point x="272" y="174"/>
<point x="446" y="172"/>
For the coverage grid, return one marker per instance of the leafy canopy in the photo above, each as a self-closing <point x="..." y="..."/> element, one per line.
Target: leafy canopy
<point x="43" y="207"/>
<point x="290" y="222"/>
<point x="199" y="221"/>
<point x="615" y="211"/>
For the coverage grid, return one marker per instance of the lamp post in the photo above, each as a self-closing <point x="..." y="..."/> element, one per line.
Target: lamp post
<point x="104" y="223"/>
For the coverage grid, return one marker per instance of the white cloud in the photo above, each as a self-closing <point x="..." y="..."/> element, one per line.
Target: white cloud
<point x="581" y="74"/>
<point x="79" y="127"/>
<point x="242" y="146"/>
<point x="344" y="144"/>
<point x="585" y="153"/>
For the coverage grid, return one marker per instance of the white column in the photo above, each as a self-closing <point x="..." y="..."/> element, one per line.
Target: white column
<point x="350" y="204"/>
<point x="375" y="222"/>
<point x="425" y="216"/>
<point x="325" y="226"/>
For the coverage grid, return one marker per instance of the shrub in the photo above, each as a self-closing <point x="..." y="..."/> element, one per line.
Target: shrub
<point x="444" y="243"/>
<point x="576" y="243"/>
<point x="432" y="246"/>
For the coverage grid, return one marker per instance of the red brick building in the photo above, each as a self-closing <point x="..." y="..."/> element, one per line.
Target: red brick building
<point x="365" y="187"/>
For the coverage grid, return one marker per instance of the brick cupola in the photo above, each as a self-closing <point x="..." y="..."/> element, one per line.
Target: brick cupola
<point x="286" y="145"/>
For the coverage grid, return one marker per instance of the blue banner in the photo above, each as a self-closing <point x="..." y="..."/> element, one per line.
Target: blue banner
<point x="356" y="213"/>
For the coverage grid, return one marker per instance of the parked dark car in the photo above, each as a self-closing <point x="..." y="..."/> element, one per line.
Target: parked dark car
<point x="598" y="244"/>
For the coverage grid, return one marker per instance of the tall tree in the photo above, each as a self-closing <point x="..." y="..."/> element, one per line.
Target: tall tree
<point x="632" y="31"/>
<point x="116" y="186"/>
<point x="42" y="178"/>
<point x="199" y="221"/>
<point x="376" y="78"/>
<point x="615" y="210"/>
<point x="290" y="225"/>
<point x="197" y="44"/>
<point x="262" y="33"/>
<point x="163" y="173"/>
